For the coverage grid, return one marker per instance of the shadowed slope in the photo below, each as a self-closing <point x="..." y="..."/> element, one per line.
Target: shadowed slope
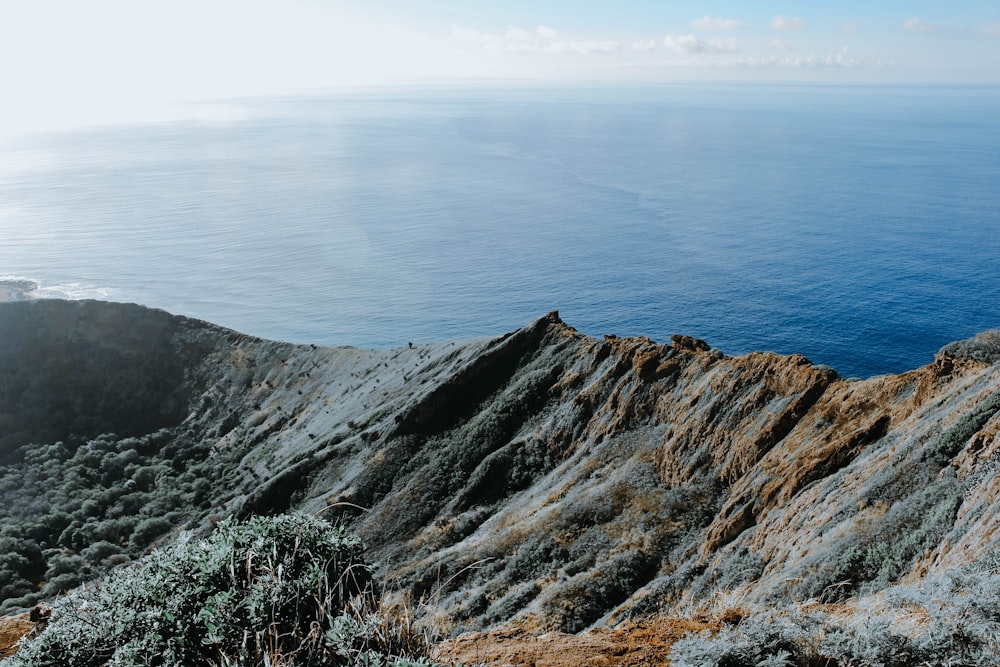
<point x="87" y="368"/>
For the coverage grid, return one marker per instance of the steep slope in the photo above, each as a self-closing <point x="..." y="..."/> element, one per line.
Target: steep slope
<point x="543" y="476"/>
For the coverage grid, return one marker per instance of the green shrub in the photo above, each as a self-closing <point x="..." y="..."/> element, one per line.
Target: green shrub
<point x="738" y="566"/>
<point x="950" y="442"/>
<point x="99" y="552"/>
<point x="147" y="530"/>
<point x="537" y="557"/>
<point x="879" y="555"/>
<point x="873" y="643"/>
<point x="763" y="640"/>
<point x="513" y="602"/>
<point x="85" y="491"/>
<point x="585" y="598"/>
<point x="269" y="591"/>
<point x="960" y="625"/>
<point x="984" y="346"/>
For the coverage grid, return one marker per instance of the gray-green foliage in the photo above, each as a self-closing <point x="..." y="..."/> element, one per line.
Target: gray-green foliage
<point x="587" y="596"/>
<point x="61" y="499"/>
<point x="951" y="441"/>
<point x="958" y="623"/>
<point x="765" y="639"/>
<point x="886" y="550"/>
<point x="517" y="599"/>
<point x="739" y="567"/>
<point x="984" y="346"/>
<point x="270" y="590"/>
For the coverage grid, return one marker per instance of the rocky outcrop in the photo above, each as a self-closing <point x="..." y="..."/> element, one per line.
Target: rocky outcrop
<point x="545" y="476"/>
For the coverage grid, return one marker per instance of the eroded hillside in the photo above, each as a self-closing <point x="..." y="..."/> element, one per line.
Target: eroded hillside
<point x="544" y="476"/>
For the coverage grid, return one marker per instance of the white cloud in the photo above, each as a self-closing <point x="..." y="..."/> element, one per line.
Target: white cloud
<point x="469" y="36"/>
<point x="781" y="44"/>
<point x="545" y="32"/>
<point x="683" y="43"/>
<point x="690" y="44"/>
<point x="584" y="47"/>
<point x="788" y="23"/>
<point x="990" y="30"/>
<point x="542" y="39"/>
<point x="643" y="45"/>
<point x="841" y="59"/>
<point x="719" y="45"/>
<point x="914" y="24"/>
<point x="516" y="34"/>
<point x="712" y="23"/>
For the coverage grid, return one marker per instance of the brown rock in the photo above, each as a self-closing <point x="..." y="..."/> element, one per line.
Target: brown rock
<point x="944" y="363"/>
<point x="689" y="344"/>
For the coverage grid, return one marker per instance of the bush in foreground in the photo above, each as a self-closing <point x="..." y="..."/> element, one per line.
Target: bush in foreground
<point x="285" y="590"/>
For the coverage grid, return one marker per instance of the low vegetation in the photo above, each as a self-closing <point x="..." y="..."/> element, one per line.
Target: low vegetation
<point x="545" y="480"/>
<point x="283" y="590"/>
<point x="953" y="620"/>
<point x="983" y="347"/>
<point x="76" y="508"/>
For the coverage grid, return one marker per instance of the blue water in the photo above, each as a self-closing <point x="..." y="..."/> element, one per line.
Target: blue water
<point x="859" y="226"/>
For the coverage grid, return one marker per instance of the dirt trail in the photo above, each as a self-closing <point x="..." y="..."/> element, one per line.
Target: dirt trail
<point x="632" y="644"/>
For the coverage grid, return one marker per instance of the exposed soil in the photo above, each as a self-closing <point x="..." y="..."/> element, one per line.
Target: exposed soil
<point x="12" y="628"/>
<point x="632" y="644"/>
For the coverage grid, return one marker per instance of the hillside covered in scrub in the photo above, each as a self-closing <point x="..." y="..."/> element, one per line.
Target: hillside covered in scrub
<point x="543" y="478"/>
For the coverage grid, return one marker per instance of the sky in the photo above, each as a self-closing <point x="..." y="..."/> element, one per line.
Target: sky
<point x="67" y="62"/>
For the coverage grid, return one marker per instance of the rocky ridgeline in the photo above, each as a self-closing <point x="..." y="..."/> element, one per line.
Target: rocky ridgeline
<point x="544" y="477"/>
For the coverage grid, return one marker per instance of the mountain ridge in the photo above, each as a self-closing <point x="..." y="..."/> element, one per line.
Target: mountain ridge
<point x="544" y="477"/>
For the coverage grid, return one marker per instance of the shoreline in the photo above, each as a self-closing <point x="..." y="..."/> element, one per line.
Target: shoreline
<point x="13" y="293"/>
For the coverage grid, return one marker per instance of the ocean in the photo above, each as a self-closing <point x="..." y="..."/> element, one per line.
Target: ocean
<point x="859" y="226"/>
